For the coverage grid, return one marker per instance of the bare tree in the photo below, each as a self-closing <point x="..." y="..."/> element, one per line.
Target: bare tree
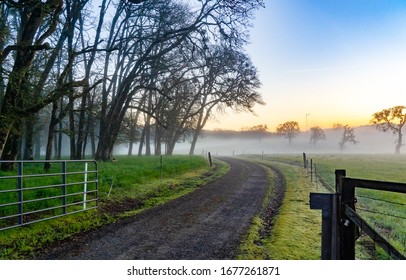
<point x="158" y="28"/>
<point x="227" y="80"/>
<point x="316" y="134"/>
<point x="392" y="119"/>
<point x="348" y="136"/>
<point x="289" y="129"/>
<point x="37" y="40"/>
<point x="49" y="64"/>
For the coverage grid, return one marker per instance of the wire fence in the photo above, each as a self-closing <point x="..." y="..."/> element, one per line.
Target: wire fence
<point x="383" y="210"/>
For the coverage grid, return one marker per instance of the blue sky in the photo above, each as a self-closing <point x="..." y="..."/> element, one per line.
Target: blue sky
<point x="339" y="61"/>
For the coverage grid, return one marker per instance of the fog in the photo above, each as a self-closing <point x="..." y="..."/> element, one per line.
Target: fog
<point x="223" y="143"/>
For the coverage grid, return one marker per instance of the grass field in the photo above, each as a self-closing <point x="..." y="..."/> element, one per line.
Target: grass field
<point x="126" y="186"/>
<point x="384" y="211"/>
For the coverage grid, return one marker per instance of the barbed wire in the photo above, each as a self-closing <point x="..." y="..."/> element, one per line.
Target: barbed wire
<point x="380" y="213"/>
<point x="324" y="182"/>
<point x="383" y="200"/>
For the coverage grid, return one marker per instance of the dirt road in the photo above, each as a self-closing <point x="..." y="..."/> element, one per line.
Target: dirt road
<point x="205" y="224"/>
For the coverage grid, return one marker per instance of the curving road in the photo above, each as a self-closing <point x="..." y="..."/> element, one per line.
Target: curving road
<point x="205" y="224"/>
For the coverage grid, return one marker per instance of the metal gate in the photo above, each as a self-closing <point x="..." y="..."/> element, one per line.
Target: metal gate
<point x="29" y="194"/>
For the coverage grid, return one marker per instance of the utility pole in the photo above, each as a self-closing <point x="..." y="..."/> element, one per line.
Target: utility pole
<point x="306" y="121"/>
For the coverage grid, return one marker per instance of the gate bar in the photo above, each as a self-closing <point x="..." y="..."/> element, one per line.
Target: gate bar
<point x="376" y="237"/>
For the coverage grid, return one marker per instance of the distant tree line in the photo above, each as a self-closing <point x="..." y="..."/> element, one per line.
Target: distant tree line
<point x="391" y="119"/>
<point x="291" y="129"/>
<point x="110" y="71"/>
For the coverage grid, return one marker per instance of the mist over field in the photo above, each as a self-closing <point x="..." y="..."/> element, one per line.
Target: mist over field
<point x="224" y="143"/>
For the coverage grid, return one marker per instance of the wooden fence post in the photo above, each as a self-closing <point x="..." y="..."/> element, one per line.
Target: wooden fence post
<point x="211" y="163"/>
<point x="346" y="228"/>
<point x="326" y="202"/>
<point x="304" y="161"/>
<point x="311" y="170"/>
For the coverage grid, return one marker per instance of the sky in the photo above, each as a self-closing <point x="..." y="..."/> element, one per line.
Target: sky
<point x="322" y="62"/>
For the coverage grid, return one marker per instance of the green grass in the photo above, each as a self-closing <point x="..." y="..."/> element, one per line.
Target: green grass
<point x="384" y="211"/>
<point x="126" y="187"/>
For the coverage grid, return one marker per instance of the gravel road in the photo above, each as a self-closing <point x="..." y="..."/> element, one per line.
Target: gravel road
<point x="205" y="224"/>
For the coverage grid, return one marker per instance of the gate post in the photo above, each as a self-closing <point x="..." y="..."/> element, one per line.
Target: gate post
<point x="326" y="202"/>
<point x="346" y="232"/>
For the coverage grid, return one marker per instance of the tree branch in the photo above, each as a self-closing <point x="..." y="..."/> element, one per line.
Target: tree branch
<point x="10" y="48"/>
<point x="149" y="114"/>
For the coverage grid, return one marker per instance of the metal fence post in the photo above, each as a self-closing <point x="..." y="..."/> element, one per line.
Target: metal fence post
<point x="85" y="188"/>
<point x="20" y="192"/>
<point x="161" y="167"/>
<point x="64" y="187"/>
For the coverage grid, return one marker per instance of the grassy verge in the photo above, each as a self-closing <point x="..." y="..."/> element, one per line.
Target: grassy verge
<point x="127" y="186"/>
<point x="296" y="230"/>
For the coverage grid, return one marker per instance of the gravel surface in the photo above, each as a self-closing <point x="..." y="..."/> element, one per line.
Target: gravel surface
<point x="205" y="224"/>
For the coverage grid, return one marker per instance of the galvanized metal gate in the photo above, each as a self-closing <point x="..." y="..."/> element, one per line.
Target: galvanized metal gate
<point x="29" y="194"/>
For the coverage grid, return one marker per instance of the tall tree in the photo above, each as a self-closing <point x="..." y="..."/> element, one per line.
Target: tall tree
<point x="348" y="136"/>
<point x="316" y="134"/>
<point x="289" y="129"/>
<point x="37" y="22"/>
<point x="391" y="119"/>
<point x="157" y="28"/>
<point x="227" y="80"/>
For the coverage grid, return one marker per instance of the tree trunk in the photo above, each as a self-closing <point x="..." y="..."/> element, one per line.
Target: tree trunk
<point x="10" y="149"/>
<point x="196" y="135"/>
<point x="29" y="138"/>
<point x="170" y="147"/>
<point x="148" y="136"/>
<point x="37" y="146"/>
<point x="110" y="128"/>
<point x="141" y="145"/>
<point x="92" y="140"/>
<point x="51" y="136"/>
<point x="72" y="131"/>
<point x="80" y="129"/>
<point x="158" y="140"/>
<point x="60" y="138"/>
<point x="399" y="144"/>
